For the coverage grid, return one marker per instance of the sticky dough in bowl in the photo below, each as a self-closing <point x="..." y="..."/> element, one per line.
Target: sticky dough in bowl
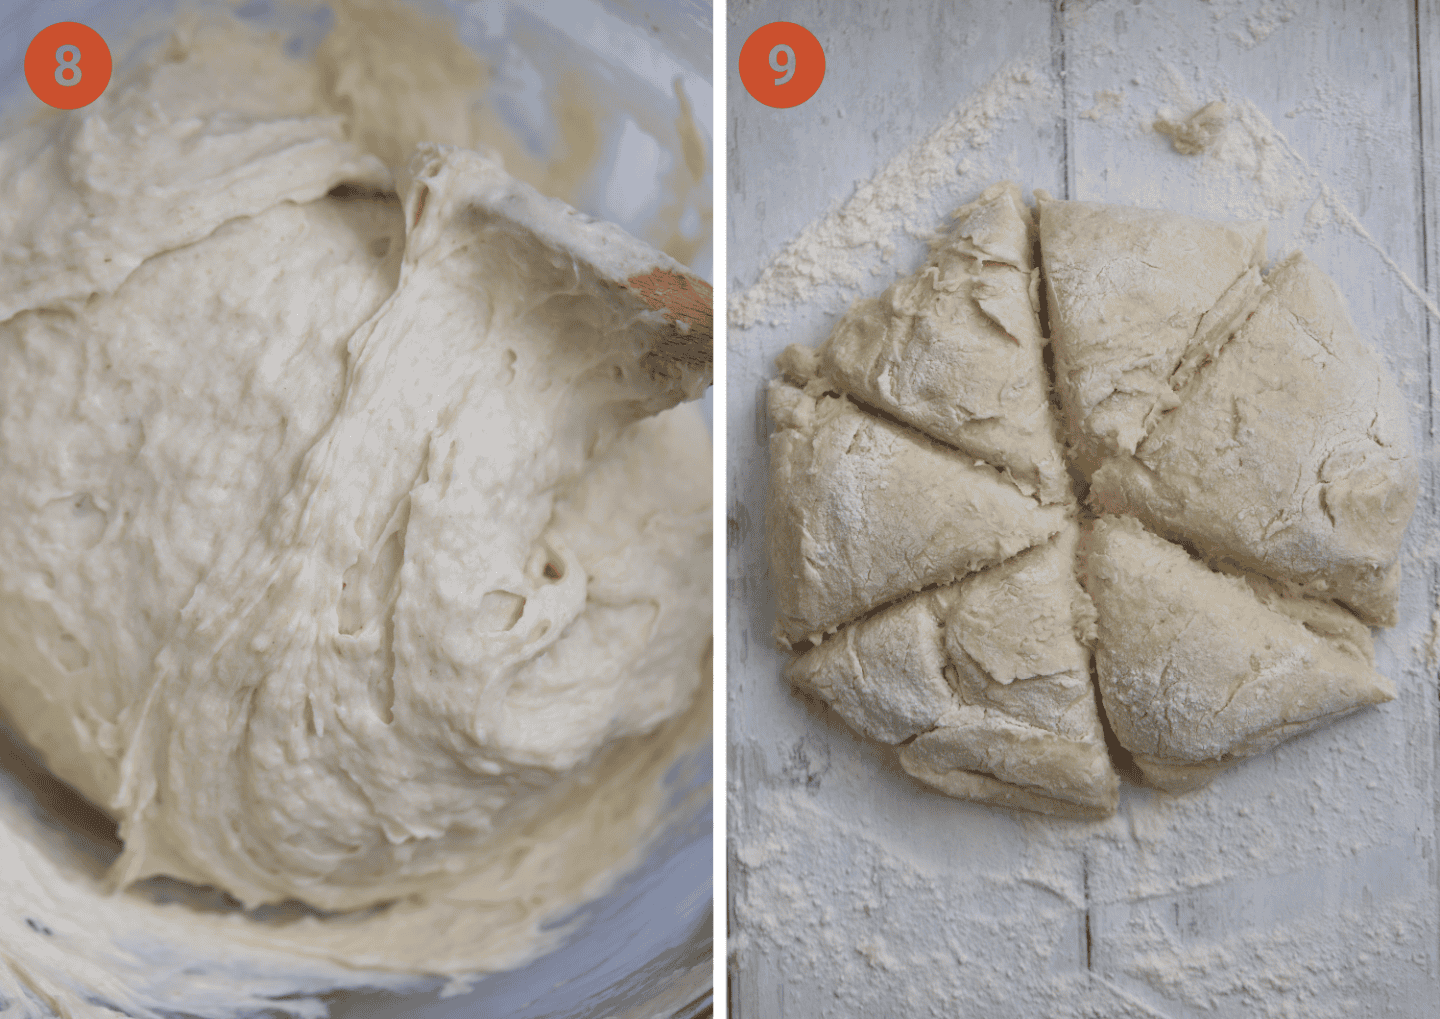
<point x="252" y="610"/>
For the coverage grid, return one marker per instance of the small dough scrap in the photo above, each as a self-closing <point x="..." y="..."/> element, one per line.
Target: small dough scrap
<point x="1129" y="292"/>
<point x="1197" y="132"/>
<point x="1026" y="736"/>
<point x="862" y="511"/>
<point x="956" y="350"/>
<point x="1290" y="454"/>
<point x="1198" y="672"/>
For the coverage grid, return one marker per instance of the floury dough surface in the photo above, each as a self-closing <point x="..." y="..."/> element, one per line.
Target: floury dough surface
<point x="1239" y="416"/>
<point x="1199" y="670"/>
<point x="985" y="684"/>
<point x="956" y="351"/>
<point x="865" y="511"/>
<point x="350" y="550"/>
<point x="1138" y="299"/>
<point x="1289" y="455"/>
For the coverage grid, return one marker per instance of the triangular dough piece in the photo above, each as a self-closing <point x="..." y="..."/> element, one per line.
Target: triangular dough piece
<point x="1199" y="670"/>
<point x="956" y="350"/>
<point x="990" y="676"/>
<point x="862" y="511"/>
<point x="1290" y="454"/>
<point x="885" y="674"/>
<point x="1137" y="298"/>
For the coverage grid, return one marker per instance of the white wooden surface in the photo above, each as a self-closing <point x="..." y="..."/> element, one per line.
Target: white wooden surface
<point x="1301" y="884"/>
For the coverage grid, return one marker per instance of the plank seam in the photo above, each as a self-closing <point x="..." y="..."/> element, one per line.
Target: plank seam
<point x="1422" y="96"/>
<point x="1058" y="44"/>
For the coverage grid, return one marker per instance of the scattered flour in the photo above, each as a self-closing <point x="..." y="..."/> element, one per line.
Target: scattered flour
<point x="1107" y="101"/>
<point x="1342" y="214"/>
<point x="1259" y="26"/>
<point x="1256" y="24"/>
<point x="829" y="252"/>
<point x="1317" y="968"/>
<point x="835" y="911"/>
<point x="1240" y="141"/>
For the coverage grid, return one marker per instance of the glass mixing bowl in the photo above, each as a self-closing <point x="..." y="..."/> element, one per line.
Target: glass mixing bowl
<point x="645" y="947"/>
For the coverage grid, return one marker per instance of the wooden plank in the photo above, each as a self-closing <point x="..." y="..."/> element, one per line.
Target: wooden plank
<point x="1323" y="145"/>
<point x="1427" y="163"/>
<point x="1427" y="148"/>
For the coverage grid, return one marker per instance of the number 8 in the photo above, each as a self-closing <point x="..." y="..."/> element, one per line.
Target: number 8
<point x="67" y="57"/>
<point x="788" y="66"/>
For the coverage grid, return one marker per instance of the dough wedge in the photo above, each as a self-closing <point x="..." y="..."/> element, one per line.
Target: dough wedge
<point x="1289" y="454"/>
<point x="990" y="676"/>
<point x="956" y="349"/>
<point x="1138" y="298"/>
<point x="862" y="511"/>
<point x="1199" y="670"/>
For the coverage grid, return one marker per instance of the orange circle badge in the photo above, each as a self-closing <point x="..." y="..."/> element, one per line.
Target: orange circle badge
<point x="67" y="65"/>
<point x="782" y="64"/>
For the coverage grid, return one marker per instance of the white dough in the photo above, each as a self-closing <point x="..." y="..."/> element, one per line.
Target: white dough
<point x="282" y="554"/>
<point x="863" y="511"/>
<point x="353" y="547"/>
<point x="1290" y="453"/>
<point x="1199" y="670"/>
<point x="1137" y="298"/>
<point x="885" y="674"/>
<point x="956" y="349"/>
<point x="990" y="677"/>
<point x="75" y="218"/>
<point x="1242" y="416"/>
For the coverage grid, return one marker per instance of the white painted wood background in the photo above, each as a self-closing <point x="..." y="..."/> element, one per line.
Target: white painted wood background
<point x="855" y="892"/>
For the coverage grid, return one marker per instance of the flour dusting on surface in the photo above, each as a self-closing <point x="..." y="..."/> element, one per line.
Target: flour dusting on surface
<point x="830" y="252"/>
<point x="1107" y="101"/>
<point x="1133" y="916"/>
<point x="1260" y="175"/>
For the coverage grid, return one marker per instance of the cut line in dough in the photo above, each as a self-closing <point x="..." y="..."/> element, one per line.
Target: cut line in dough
<point x="863" y="511"/>
<point x="1133" y="296"/>
<point x="1199" y="670"/>
<point x="986" y="683"/>
<point x="1237" y="414"/>
<point x="956" y="349"/>
<point x="1290" y="455"/>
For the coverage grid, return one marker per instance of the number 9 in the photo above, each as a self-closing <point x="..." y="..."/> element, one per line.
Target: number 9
<point x="788" y="66"/>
